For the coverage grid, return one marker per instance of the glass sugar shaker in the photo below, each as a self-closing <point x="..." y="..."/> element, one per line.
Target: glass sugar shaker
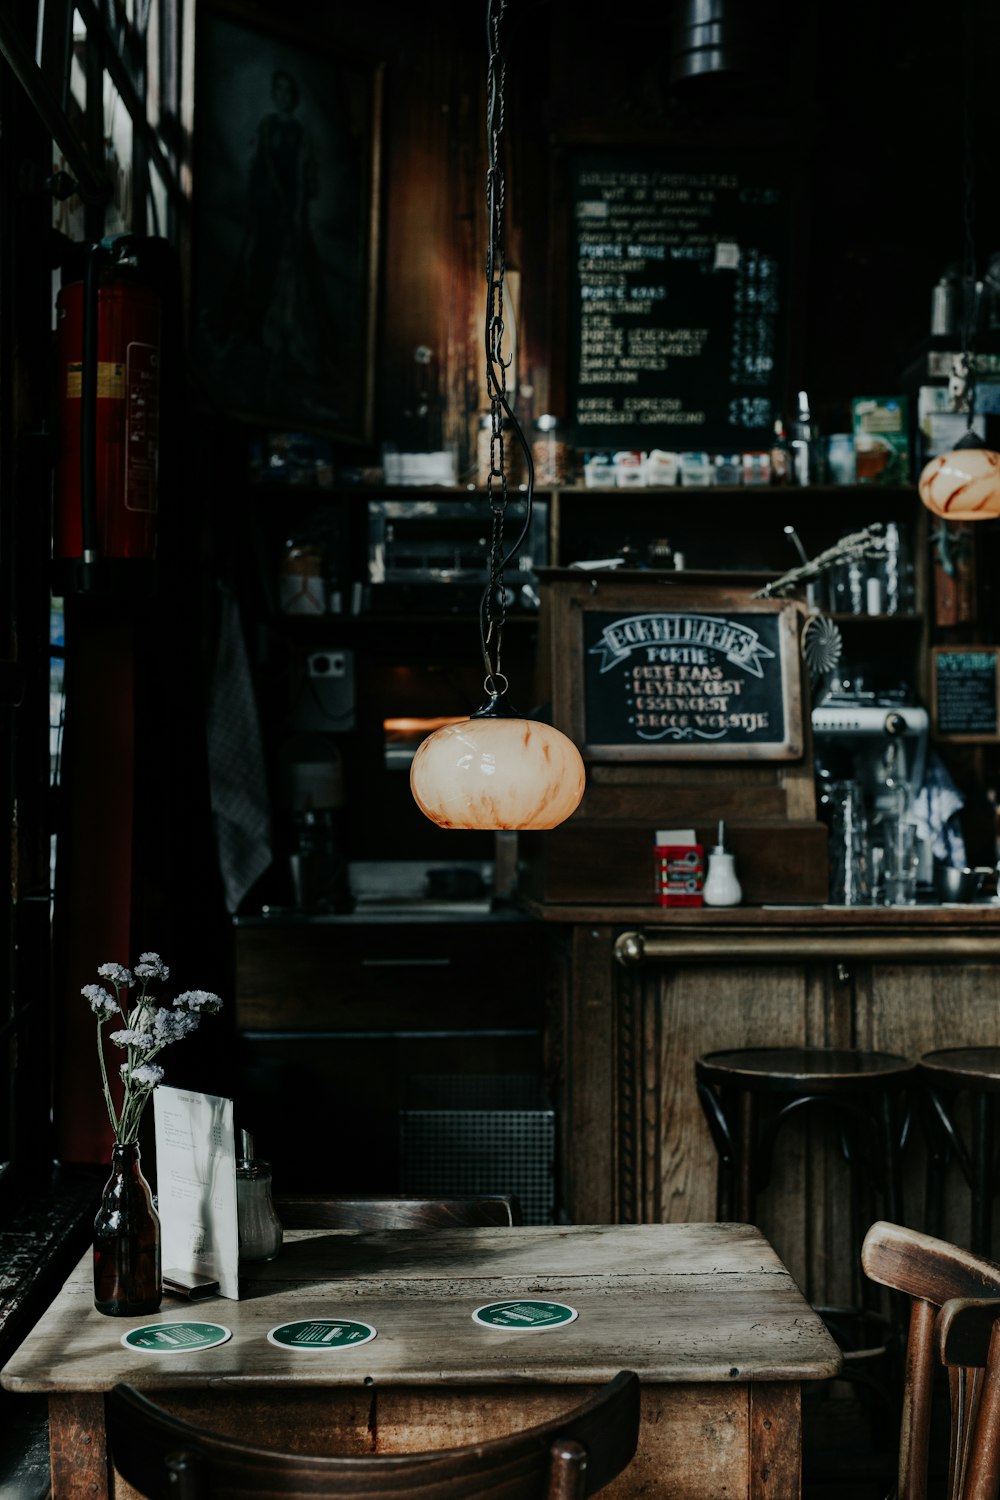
<point x="259" y="1226"/>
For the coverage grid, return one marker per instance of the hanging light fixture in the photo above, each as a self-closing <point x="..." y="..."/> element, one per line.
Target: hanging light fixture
<point x="496" y="770"/>
<point x="964" y="485"/>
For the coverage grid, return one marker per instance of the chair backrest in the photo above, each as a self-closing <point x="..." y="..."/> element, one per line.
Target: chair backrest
<point x="968" y="1341"/>
<point x="569" y="1458"/>
<point x="386" y="1211"/>
<point x="929" y="1272"/>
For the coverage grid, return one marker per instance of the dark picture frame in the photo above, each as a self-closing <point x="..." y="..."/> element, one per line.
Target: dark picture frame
<point x="285" y="210"/>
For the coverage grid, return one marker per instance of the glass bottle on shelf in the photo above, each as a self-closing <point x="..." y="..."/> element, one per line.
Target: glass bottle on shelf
<point x="780" y="459"/>
<point x="803" y="457"/>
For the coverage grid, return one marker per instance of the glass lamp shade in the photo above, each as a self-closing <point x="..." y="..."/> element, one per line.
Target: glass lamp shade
<point x="497" y="773"/>
<point x="963" y="485"/>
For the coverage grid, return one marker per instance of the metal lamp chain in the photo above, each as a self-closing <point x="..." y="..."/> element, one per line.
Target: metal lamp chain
<point x="493" y="611"/>
<point x="970" y="296"/>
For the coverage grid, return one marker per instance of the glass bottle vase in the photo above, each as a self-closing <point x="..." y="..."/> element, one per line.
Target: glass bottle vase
<point x="127" y="1271"/>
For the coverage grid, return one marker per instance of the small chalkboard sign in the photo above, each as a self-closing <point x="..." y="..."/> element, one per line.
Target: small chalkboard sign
<point x="678" y="299"/>
<point x="682" y="674"/>
<point x="966" y="693"/>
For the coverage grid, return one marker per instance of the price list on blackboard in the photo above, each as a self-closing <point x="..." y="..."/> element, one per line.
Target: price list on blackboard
<point x="966" y="692"/>
<point x="678" y="302"/>
<point x="711" y="683"/>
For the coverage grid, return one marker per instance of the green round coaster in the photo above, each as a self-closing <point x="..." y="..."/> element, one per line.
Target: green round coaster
<point x="321" y="1334"/>
<point x="186" y="1337"/>
<point x="525" y="1314"/>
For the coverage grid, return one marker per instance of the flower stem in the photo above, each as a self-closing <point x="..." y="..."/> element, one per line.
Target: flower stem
<point x="115" y="1124"/>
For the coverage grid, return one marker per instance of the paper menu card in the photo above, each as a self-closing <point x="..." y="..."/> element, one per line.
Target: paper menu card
<point x="196" y="1185"/>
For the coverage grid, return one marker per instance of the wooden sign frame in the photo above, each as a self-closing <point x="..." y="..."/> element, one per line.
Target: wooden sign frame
<point x="683" y="631"/>
<point x="989" y="668"/>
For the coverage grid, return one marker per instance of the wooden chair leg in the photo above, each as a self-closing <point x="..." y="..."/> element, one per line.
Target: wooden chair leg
<point x="917" y="1395"/>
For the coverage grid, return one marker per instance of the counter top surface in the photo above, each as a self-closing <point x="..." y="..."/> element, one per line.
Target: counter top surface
<point x="982" y="916"/>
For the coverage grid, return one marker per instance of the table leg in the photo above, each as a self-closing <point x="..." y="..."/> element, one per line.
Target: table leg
<point x="78" y="1449"/>
<point x="775" y="1441"/>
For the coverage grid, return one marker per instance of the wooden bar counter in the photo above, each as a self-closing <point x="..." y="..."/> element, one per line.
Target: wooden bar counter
<point x="636" y="993"/>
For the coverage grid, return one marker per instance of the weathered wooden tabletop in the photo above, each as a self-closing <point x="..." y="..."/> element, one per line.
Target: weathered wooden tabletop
<point x="706" y="1314"/>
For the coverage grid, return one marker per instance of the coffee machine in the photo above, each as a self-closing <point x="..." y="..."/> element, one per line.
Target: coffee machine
<point x="865" y="741"/>
<point x="870" y="748"/>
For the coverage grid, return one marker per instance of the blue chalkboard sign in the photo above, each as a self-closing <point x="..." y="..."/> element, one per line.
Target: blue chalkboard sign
<point x="966" y="693"/>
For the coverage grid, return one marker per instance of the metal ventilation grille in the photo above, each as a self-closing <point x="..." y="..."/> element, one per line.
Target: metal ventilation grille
<point x="480" y="1134"/>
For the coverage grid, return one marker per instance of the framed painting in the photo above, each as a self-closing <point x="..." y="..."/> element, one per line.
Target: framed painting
<point x="285" y="216"/>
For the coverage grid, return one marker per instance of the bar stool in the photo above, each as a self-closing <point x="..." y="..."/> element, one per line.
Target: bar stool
<point x="943" y="1076"/>
<point x="748" y="1094"/>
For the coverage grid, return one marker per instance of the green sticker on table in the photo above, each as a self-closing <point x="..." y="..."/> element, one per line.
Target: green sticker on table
<point x="185" y="1337"/>
<point x="321" y="1334"/>
<point x="526" y="1315"/>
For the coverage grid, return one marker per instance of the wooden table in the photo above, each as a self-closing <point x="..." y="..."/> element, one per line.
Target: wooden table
<point x="706" y="1314"/>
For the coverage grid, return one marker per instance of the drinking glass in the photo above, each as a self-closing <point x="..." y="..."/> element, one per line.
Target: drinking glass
<point x="848" y="845"/>
<point x="900" y="862"/>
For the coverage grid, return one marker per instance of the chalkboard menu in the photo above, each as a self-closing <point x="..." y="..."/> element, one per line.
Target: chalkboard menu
<point x="690" y="683"/>
<point x="965" y="692"/>
<point x="678" y="300"/>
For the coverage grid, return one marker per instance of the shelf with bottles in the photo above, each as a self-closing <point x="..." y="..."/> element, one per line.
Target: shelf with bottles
<point x="713" y="528"/>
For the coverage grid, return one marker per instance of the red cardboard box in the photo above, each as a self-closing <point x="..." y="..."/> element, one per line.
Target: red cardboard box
<point x="680" y="868"/>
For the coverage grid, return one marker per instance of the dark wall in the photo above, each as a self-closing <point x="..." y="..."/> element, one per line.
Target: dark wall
<point x="875" y="106"/>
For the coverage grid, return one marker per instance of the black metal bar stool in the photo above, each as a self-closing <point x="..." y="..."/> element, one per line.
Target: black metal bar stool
<point x="749" y="1093"/>
<point x="944" y="1076"/>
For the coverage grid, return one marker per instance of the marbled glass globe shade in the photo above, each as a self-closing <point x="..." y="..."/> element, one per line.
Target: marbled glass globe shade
<point x="963" y="485"/>
<point x="497" y="773"/>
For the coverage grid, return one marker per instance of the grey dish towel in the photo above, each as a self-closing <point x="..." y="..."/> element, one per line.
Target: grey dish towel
<point x="241" y="806"/>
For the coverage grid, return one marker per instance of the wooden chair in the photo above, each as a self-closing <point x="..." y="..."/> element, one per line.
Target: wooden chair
<point x="969" y="1346"/>
<point x="929" y="1272"/>
<point x="385" y="1211"/>
<point x="968" y="1342"/>
<point x="567" y="1458"/>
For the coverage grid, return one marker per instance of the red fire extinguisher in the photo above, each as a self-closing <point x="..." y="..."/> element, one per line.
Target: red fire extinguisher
<point x="108" y="350"/>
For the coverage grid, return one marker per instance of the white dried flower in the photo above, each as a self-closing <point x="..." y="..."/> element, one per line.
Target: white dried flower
<point x="143" y="1040"/>
<point x="200" y="1000"/>
<point x="171" y="1025"/>
<point x="101" y="1003"/>
<point x="118" y="974"/>
<point x="151" y="966"/>
<point x="146" y="1075"/>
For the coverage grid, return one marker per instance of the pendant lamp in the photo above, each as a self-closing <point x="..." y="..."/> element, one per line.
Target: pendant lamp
<point x="496" y="770"/>
<point x="964" y="485"/>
